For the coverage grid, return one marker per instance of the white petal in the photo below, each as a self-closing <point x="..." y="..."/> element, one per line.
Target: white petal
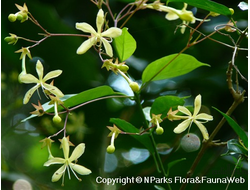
<point x="99" y="20"/>
<point x="202" y="129"/>
<point x="86" y="45"/>
<point x="52" y="74"/>
<point x="65" y="147"/>
<point x="85" y="27"/>
<point x="54" y="90"/>
<point x="171" y="16"/>
<point x="112" y="32"/>
<point x="184" y="110"/>
<point x="80" y="169"/>
<point x="28" y="78"/>
<point x="58" y="174"/>
<point x="77" y="152"/>
<point x="54" y="160"/>
<point x="107" y="47"/>
<point x="182" y="126"/>
<point x="30" y="93"/>
<point x="197" y="104"/>
<point x="39" y="69"/>
<point x="204" y="116"/>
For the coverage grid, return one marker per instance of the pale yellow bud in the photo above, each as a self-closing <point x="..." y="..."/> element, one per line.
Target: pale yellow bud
<point x="12" y="17"/>
<point x="134" y="86"/>
<point x="111" y="149"/>
<point x="57" y="119"/>
<point x="159" y="130"/>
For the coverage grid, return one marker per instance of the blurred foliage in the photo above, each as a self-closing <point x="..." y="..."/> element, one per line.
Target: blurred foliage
<point x="22" y="156"/>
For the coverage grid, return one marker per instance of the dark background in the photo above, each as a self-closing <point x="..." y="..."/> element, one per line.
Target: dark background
<point x="22" y="156"/>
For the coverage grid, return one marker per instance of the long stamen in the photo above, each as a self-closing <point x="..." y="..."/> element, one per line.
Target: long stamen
<point x="74" y="173"/>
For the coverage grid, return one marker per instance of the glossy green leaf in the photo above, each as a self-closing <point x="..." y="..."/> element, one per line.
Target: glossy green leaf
<point x="125" y="45"/>
<point x="162" y="105"/>
<point x="83" y="97"/>
<point x="128" y="127"/>
<point x="170" y="66"/>
<point x="234" y="147"/>
<point x="207" y="5"/>
<point x="238" y="130"/>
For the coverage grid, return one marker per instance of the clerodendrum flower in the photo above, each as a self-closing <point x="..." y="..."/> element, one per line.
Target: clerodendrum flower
<point x="196" y="118"/>
<point x="97" y="36"/>
<point x="40" y="82"/>
<point x="68" y="162"/>
<point x="173" y="14"/>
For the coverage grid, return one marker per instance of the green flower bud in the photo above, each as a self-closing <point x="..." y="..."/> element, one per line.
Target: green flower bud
<point x="213" y="14"/>
<point x="57" y="119"/>
<point x="12" y="39"/>
<point x="231" y="10"/>
<point x="111" y="149"/>
<point x="12" y="17"/>
<point x="123" y="68"/>
<point x="134" y="86"/>
<point x="19" y="16"/>
<point x="190" y="142"/>
<point x="159" y="130"/>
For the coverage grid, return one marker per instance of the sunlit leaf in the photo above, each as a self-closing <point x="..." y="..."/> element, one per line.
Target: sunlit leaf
<point x="83" y="97"/>
<point x="170" y="66"/>
<point x="125" y="45"/>
<point x="162" y="105"/>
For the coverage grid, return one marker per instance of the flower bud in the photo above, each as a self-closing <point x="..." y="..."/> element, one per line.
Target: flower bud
<point x="214" y="14"/>
<point x="12" y="39"/>
<point x="123" y="68"/>
<point x="159" y="130"/>
<point x="231" y="10"/>
<point x="111" y="149"/>
<point x="190" y="142"/>
<point x="19" y="16"/>
<point x="134" y="86"/>
<point x="57" y="119"/>
<point x="12" y="17"/>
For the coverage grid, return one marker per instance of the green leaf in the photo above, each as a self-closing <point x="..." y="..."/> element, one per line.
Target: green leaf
<point x="170" y="66"/>
<point x="234" y="147"/>
<point x="83" y="97"/>
<point x="162" y="104"/>
<point x="238" y="130"/>
<point x="171" y="164"/>
<point x="207" y="5"/>
<point x="128" y="127"/>
<point x="125" y="45"/>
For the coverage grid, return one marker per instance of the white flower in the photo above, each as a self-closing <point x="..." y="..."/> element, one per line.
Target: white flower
<point x="173" y="14"/>
<point x="68" y="161"/>
<point x="189" y="118"/>
<point x="97" y="36"/>
<point x="40" y="82"/>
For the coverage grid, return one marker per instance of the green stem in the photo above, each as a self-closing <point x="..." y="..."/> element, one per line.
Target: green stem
<point x="157" y="158"/>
